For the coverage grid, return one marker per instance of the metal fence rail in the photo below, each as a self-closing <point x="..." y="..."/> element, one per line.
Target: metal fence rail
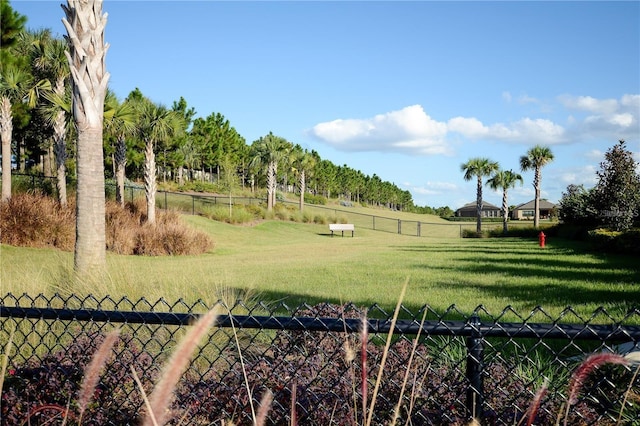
<point x="196" y="204"/>
<point x="311" y="358"/>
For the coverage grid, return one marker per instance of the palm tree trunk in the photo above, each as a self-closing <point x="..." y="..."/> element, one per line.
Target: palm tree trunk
<point x="479" y="206"/>
<point x="85" y="25"/>
<point x="150" y="185"/>
<point x="47" y="169"/>
<point x="90" y="249"/>
<point x="275" y="184"/>
<point x="302" y="189"/>
<point x="120" y="163"/>
<point x="536" y="204"/>
<point x="271" y="184"/>
<point x="6" y="129"/>
<point x="60" y="150"/>
<point x="505" y="212"/>
<point x="22" y="161"/>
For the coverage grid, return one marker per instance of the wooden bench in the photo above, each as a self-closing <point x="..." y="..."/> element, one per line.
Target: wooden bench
<point x="342" y="227"/>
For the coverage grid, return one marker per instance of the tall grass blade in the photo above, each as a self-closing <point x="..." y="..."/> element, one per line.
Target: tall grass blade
<point x="244" y="370"/>
<point x="144" y="396"/>
<point x="93" y="370"/>
<point x="626" y="394"/>
<point x="364" y="384"/>
<point x="263" y="409"/>
<point x="5" y="358"/>
<point x="162" y="394"/>
<point x="385" y="353"/>
<point x="579" y="376"/>
<point x="530" y="415"/>
<point x="396" y="412"/>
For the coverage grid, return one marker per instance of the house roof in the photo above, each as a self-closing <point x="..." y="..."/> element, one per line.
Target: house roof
<point x="529" y="205"/>
<point x="485" y="206"/>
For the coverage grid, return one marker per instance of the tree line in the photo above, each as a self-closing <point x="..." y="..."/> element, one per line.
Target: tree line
<point x="144" y="140"/>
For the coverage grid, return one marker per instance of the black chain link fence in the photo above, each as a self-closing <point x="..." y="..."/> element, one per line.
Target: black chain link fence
<point x="442" y="368"/>
<point x="199" y="204"/>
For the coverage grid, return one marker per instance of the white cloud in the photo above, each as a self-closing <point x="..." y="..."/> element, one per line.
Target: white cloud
<point x="468" y="127"/>
<point x="589" y="104"/>
<point x="525" y="99"/>
<point x="541" y="130"/>
<point x="585" y="175"/>
<point x="434" y="188"/>
<point x="595" y="154"/>
<point x="412" y="131"/>
<point x="526" y="130"/>
<point x="622" y="120"/>
<point x="603" y="118"/>
<point x="409" y="130"/>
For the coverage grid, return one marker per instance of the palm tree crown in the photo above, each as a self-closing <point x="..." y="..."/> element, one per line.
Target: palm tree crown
<point x="504" y="179"/>
<point x="478" y="168"/>
<point x="536" y="158"/>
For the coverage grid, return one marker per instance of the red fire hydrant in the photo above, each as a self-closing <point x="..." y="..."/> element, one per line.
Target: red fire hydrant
<point x="541" y="239"/>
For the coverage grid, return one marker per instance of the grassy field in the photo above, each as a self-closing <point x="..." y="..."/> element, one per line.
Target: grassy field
<point x="278" y="261"/>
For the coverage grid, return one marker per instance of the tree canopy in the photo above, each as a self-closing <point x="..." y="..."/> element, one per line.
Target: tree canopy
<point x="616" y="196"/>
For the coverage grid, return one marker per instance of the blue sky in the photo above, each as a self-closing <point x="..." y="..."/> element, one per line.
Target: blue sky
<point x="407" y="90"/>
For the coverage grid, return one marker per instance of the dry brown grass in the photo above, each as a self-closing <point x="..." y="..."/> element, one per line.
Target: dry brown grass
<point x="37" y="220"/>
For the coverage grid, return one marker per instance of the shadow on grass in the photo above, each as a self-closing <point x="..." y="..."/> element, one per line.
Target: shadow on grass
<point x="585" y="277"/>
<point x="558" y="276"/>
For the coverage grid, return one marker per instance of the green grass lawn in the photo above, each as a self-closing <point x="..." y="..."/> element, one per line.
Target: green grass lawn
<point x="293" y="263"/>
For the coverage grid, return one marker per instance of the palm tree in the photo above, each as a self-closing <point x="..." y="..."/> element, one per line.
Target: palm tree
<point x="479" y="168"/>
<point x="504" y="179"/>
<point x="16" y="85"/>
<point x="50" y="59"/>
<point x="11" y="81"/>
<point x="156" y="124"/>
<point x="303" y="164"/>
<point x="120" y="122"/>
<point x="269" y="151"/>
<point x="536" y="158"/>
<point x="85" y="25"/>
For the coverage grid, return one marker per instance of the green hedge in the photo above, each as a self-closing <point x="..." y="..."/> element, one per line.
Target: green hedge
<point x="615" y="241"/>
<point x="473" y="219"/>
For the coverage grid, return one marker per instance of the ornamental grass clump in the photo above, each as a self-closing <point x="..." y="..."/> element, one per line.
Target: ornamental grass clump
<point x="38" y="220"/>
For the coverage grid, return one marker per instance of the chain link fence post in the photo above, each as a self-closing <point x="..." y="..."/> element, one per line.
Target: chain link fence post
<point x="474" y="369"/>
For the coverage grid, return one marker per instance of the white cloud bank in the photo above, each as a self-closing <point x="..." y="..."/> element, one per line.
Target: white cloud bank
<point x="412" y="131"/>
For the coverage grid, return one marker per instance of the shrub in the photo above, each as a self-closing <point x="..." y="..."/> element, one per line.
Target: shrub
<point x="37" y="220"/>
<point x="615" y="241"/>
<point x="315" y="199"/>
<point x="307" y="217"/>
<point x="319" y="219"/>
<point x="281" y="212"/>
<point x="54" y="381"/>
<point x="471" y="233"/>
<point x="256" y="211"/>
<point x="198" y="186"/>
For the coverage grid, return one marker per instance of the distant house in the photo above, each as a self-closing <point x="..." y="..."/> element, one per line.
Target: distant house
<point x="469" y="210"/>
<point x="525" y="211"/>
